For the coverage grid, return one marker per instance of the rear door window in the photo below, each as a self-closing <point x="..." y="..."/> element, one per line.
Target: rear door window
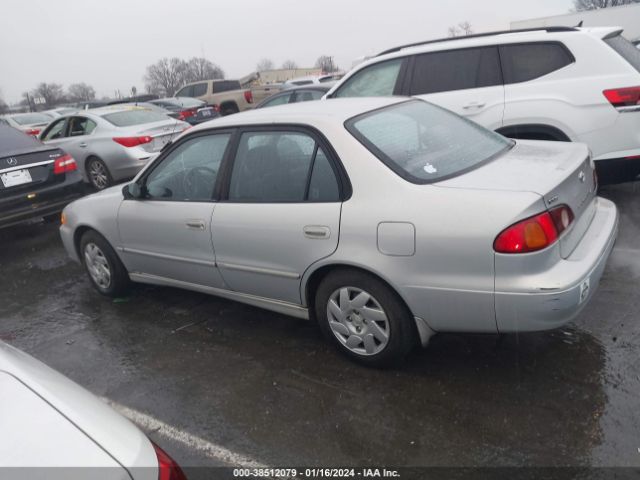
<point x="308" y="95"/>
<point x="79" y="126"/>
<point x="225" y="86"/>
<point x="455" y="70"/>
<point x="528" y="61"/>
<point x="279" y="100"/>
<point x="626" y="50"/>
<point x="199" y="89"/>
<point x="378" y="80"/>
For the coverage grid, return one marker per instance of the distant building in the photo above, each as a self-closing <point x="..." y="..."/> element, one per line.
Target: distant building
<point x="624" y="16"/>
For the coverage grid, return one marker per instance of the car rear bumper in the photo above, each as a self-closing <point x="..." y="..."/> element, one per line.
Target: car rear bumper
<point x="46" y="202"/>
<point x="558" y="295"/>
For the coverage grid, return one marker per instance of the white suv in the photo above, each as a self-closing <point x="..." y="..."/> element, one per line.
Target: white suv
<point x="556" y="83"/>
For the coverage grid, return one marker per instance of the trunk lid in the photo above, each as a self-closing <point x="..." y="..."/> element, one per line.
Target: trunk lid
<point x="561" y="173"/>
<point x="162" y="133"/>
<point x="24" y="172"/>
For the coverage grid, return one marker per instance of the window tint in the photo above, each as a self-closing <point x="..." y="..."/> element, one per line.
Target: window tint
<point x="424" y="143"/>
<point x="279" y="100"/>
<point x="56" y="130"/>
<point x="199" y="89"/>
<point x="81" y="126"/>
<point x="185" y="91"/>
<point x="272" y="167"/>
<point x="525" y="62"/>
<point x="378" y="80"/>
<point x="225" y="86"/>
<point x="131" y="117"/>
<point x="189" y="172"/>
<point x="626" y="50"/>
<point x="455" y="70"/>
<point x="323" y="186"/>
<point x="308" y="95"/>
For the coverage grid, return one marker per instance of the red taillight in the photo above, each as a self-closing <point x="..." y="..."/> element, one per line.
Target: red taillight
<point x="32" y="131"/>
<point x="64" y="164"/>
<point x="133" y="141"/>
<point x="186" y="114"/>
<point x="248" y="96"/>
<point x="623" y="97"/>
<point x="168" y="469"/>
<point x="534" y="233"/>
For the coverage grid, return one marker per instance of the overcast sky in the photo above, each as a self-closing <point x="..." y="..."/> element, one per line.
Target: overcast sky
<point x="108" y="43"/>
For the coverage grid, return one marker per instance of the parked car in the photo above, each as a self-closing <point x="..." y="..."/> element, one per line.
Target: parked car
<point x="112" y="143"/>
<point x="36" y="180"/>
<point x="295" y="95"/>
<point x="191" y="110"/>
<point x="29" y="123"/>
<point x="58" y="112"/>
<point x="384" y="219"/>
<point x="53" y="428"/>
<point x="227" y="95"/>
<point x="556" y="83"/>
<point x="312" y="80"/>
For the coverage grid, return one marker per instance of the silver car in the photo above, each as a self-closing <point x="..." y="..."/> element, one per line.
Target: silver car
<point x="112" y="143"/>
<point x="385" y="220"/>
<point x="29" y="123"/>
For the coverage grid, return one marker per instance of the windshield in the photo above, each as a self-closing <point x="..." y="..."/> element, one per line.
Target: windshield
<point x="31" y="118"/>
<point x="424" y="143"/>
<point x="128" y="118"/>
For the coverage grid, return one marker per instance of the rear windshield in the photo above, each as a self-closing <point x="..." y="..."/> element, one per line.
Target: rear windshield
<point x="626" y="49"/>
<point x="424" y="143"/>
<point x="128" y="118"/>
<point x="30" y="118"/>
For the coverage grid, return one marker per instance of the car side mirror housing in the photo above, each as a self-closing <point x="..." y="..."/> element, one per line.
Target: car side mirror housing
<point x="132" y="191"/>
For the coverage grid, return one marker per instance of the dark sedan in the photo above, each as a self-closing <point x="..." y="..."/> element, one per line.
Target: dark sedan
<point x="36" y="180"/>
<point x="305" y="93"/>
<point x="190" y="110"/>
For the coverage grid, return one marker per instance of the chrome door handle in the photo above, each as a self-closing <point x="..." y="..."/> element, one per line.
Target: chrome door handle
<point x="316" y="231"/>
<point x="471" y="105"/>
<point x="82" y="144"/>
<point x="195" y="224"/>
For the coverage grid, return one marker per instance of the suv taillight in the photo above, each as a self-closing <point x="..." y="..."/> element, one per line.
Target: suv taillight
<point x="534" y="233"/>
<point x="623" y="97"/>
<point x="248" y="96"/>
<point x="64" y="164"/>
<point x="168" y="469"/>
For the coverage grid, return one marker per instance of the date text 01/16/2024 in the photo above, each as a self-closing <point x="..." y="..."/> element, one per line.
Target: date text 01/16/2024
<point x="315" y="473"/>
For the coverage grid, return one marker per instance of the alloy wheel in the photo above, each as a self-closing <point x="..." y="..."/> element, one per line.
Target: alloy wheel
<point x="99" y="175"/>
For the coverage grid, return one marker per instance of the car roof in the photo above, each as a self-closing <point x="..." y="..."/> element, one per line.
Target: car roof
<point x="335" y="110"/>
<point x="490" y="38"/>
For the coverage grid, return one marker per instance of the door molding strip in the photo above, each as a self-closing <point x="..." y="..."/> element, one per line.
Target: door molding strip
<point x="166" y="256"/>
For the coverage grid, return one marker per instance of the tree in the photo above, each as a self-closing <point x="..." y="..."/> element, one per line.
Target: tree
<point x="462" y="29"/>
<point x="325" y="63"/>
<point x="165" y="76"/>
<point x="580" y="5"/>
<point x="199" y="68"/>
<point x="264" y="64"/>
<point x="81" y="92"/>
<point x="52" y="93"/>
<point x="289" y="65"/>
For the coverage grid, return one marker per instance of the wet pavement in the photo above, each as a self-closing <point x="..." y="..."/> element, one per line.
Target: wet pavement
<point x="268" y="387"/>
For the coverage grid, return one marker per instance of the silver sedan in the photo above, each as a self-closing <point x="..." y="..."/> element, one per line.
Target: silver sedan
<point x="113" y="143"/>
<point x="385" y="220"/>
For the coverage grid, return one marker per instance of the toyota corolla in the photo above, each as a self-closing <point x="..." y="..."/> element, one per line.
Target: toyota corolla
<point x="385" y="220"/>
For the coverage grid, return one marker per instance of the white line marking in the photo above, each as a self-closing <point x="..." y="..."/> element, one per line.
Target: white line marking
<point x="193" y="442"/>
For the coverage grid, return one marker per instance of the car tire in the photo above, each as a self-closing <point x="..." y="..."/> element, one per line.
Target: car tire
<point x="375" y="329"/>
<point x="98" y="174"/>
<point x="229" y="110"/>
<point x="105" y="270"/>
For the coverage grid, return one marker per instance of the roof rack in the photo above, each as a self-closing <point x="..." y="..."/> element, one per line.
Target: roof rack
<point x="478" y="35"/>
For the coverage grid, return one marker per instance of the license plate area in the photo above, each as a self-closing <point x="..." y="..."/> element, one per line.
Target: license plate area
<point x="15" y="177"/>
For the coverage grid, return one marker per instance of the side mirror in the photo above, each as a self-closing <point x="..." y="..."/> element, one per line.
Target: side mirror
<point x="132" y="191"/>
